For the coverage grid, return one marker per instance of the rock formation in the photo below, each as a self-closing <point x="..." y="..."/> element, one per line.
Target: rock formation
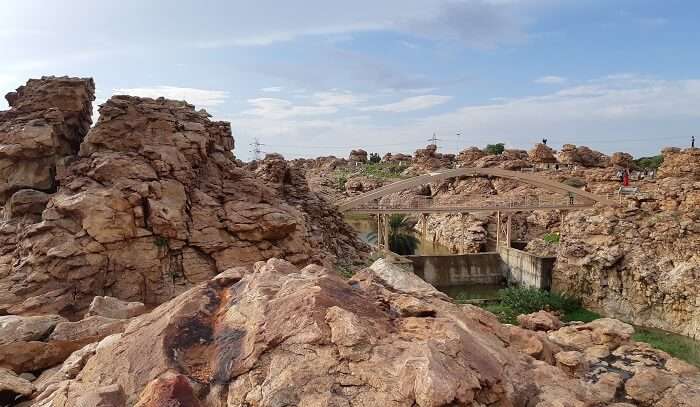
<point x="358" y="156"/>
<point x="582" y="155"/>
<point x="468" y="156"/>
<point x="427" y="159"/>
<point x="639" y="262"/>
<point x="275" y="335"/>
<point x="47" y="120"/>
<point x="542" y="154"/>
<point x="681" y="163"/>
<point x="623" y="160"/>
<point x="152" y="204"/>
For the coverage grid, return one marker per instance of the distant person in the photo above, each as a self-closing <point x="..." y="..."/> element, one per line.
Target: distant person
<point x="619" y="175"/>
<point x="692" y="141"/>
<point x="544" y="141"/>
<point x="571" y="198"/>
<point x="626" y="178"/>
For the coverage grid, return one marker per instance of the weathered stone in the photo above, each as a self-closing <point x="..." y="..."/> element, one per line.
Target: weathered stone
<point x="24" y="329"/>
<point x="13" y="387"/>
<point x="539" y="321"/>
<point x="110" y="307"/>
<point x="91" y="329"/>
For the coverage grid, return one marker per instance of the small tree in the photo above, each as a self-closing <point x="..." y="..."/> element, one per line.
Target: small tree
<point x="402" y="238"/>
<point x="495" y="149"/>
<point x="374" y="158"/>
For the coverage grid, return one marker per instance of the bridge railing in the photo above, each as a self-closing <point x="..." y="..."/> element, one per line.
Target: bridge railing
<point x="428" y="203"/>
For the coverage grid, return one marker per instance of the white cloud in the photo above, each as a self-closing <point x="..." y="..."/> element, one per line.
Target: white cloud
<point x="197" y="97"/>
<point x="338" y="98"/>
<point x="410" y="104"/>
<point x="275" y="108"/>
<point x="550" y="80"/>
<point x="631" y="113"/>
<point x="272" y="89"/>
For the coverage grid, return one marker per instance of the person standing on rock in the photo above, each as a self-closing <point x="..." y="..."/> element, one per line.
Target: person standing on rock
<point x="571" y="198"/>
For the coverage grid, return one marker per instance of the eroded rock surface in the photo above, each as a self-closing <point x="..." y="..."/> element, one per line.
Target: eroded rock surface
<point x="275" y="335"/>
<point x="47" y="120"/>
<point x="153" y="204"/>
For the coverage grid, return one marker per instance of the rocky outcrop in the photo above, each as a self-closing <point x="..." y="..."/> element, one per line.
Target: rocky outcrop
<point x="468" y="156"/>
<point x="153" y="204"/>
<point x="277" y="335"/>
<point x="47" y="120"/>
<point x="622" y="160"/>
<point x="680" y="163"/>
<point x="582" y="155"/>
<point x="639" y="262"/>
<point x="542" y="154"/>
<point x="362" y="184"/>
<point x="331" y="239"/>
<point x="427" y="159"/>
<point x="358" y="156"/>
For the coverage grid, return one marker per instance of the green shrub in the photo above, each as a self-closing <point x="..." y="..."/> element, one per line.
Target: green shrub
<point x="495" y="149"/>
<point x="345" y="271"/>
<point x="523" y="300"/>
<point x="581" y="314"/>
<point x="650" y="162"/>
<point x="552" y="238"/>
<point x="340" y="180"/>
<point x="374" y="158"/>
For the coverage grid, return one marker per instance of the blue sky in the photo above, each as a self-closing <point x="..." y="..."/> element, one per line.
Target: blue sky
<point x="319" y="77"/>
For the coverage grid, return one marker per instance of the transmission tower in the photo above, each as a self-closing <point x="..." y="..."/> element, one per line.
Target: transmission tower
<point x="255" y="149"/>
<point x="434" y="140"/>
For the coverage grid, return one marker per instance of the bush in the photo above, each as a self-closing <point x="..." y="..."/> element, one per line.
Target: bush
<point x="374" y="158"/>
<point x="340" y="180"/>
<point x="495" y="149"/>
<point x="650" y="162"/>
<point x="527" y="300"/>
<point x="552" y="238"/>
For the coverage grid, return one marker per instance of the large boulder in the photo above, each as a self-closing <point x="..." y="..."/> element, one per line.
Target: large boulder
<point x="13" y="388"/>
<point x="47" y="120"/>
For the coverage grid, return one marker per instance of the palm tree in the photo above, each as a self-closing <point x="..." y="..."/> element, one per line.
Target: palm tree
<point x="402" y="238"/>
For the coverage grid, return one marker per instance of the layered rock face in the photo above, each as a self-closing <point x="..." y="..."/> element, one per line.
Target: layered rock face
<point x="323" y="226"/>
<point x="681" y="163"/>
<point x="274" y="335"/>
<point x="640" y="262"/>
<point x="47" y="120"/>
<point x="582" y="155"/>
<point x="153" y="203"/>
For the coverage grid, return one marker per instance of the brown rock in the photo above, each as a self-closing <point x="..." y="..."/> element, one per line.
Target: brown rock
<point x="26" y="202"/>
<point x="571" y="362"/>
<point x="359" y="156"/>
<point x="110" y="307"/>
<point x="166" y="391"/>
<point x="91" y="329"/>
<point x="539" y="321"/>
<point x="541" y="154"/>
<point x="648" y="384"/>
<point x="15" y="328"/>
<point x="13" y="387"/>
<point x="47" y="120"/>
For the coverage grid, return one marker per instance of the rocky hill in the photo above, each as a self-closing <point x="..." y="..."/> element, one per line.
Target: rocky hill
<point x="145" y="205"/>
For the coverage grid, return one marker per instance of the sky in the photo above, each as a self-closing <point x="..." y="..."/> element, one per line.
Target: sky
<point x="320" y="77"/>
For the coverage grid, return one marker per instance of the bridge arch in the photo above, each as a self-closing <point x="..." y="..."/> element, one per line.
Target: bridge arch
<point x="438" y="176"/>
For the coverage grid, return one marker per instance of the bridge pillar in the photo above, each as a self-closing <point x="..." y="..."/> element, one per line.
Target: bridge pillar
<point x="509" y="230"/>
<point x="461" y="243"/>
<point x="386" y="231"/>
<point x="498" y="229"/>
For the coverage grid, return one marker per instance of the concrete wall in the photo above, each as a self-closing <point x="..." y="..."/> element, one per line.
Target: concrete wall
<point x="526" y="269"/>
<point x="452" y="270"/>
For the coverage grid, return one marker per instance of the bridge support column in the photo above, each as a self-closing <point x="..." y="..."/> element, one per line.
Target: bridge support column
<point x="386" y="231"/>
<point x="498" y="229"/>
<point x="509" y="230"/>
<point x="462" y="248"/>
<point x="424" y="225"/>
